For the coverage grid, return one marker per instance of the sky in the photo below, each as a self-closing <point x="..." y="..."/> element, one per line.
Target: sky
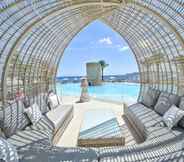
<point x="95" y="42"/>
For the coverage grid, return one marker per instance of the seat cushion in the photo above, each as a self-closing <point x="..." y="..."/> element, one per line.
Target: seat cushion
<point x="12" y="118"/>
<point x="143" y="117"/>
<point x="165" y="101"/>
<point x="44" y="124"/>
<point x="43" y="152"/>
<point x="164" y="133"/>
<point x="142" y="152"/>
<point x="59" y="115"/>
<point x="26" y="137"/>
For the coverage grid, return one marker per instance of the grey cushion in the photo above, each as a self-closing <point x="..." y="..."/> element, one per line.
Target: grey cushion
<point x="165" y="101"/>
<point x="12" y="118"/>
<point x="8" y="153"/>
<point x="43" y="152"/>
<point x="59" y="115"/>
<point x="23" y="138"/>
<point x="150" y="97"/>
<point x="34" y="114"/>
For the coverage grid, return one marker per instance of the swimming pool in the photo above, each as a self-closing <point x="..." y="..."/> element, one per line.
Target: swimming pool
<point x="127" y="92"/>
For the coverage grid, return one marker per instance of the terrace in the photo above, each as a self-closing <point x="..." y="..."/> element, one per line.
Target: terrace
<point x="42" y="126"/>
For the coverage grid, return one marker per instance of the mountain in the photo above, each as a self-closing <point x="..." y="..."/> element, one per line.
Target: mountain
<point x="129" y="77"/>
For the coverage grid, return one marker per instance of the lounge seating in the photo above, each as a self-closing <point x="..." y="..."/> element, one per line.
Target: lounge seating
<point x="60" y="117"/>
<point x="20" y="132"/>
<point x="159" y="143"/>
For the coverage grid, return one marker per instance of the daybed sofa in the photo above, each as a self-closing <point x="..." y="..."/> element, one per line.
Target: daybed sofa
<point x="159" y="143"/>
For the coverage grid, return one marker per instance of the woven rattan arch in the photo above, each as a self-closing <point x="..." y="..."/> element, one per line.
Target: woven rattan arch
<point x="34" y="35"/>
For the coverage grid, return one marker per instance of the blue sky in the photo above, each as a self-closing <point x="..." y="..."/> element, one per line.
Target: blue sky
<point x="97" y="42"/>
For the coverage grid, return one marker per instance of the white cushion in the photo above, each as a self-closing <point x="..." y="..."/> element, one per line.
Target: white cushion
<point x="34" y="113"/>
<point x="54" y="101"/>
<point x="172" y="116"/>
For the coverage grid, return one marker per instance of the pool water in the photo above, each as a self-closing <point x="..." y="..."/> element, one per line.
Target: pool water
<point x="120" y="92"/>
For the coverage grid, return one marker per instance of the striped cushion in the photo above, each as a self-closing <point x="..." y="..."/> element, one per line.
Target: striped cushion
<point x="23" y="138"/>
<point x="44" y="124"/>
<point x="12" y="118"/>
<point x="42" y="100"/>
<point x="172" y="116"/>
<point x="142" y="152"/>
<point x="34" y="113"/>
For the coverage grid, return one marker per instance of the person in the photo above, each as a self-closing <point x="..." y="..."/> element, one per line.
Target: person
<point x="84" y="90"/>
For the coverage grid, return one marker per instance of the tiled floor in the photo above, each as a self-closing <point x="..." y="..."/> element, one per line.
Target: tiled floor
<point x="70" y="136"/>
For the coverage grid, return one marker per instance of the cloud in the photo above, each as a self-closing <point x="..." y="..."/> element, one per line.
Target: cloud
<point x="106" y="40"/>
<point x="123" y="48"/>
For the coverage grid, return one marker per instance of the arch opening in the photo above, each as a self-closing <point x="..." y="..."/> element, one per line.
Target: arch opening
<point x="94" y="43"/>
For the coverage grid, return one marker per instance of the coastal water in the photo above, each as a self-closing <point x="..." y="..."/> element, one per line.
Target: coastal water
<point x="119" y="92"/>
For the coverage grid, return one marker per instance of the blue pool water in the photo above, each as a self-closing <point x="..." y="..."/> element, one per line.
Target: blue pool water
<point x="121" y="92"/>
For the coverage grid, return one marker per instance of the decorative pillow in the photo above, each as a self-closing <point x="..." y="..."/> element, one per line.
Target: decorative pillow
<point x="150" y="97"/>
<point x="34" y="113"/>
<point x="165" y="101"/>
<point x="8" y="152"/>
<point x="12" y="118"/>
<point x="53" y="101"/>
<point x="172" y="116"/>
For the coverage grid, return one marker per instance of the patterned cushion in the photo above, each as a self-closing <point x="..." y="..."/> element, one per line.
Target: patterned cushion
<point x="44" y="124"/>
<point x="165" y="101"/>
<point x="172" y="116"/>
<point x="28" y="136"/>
<point x="34" y="113"/>
<point x="54" y="101"/>
<point x="149" y="99"/>
<point x="7" y="152"/>
<point x="12" y="118"/>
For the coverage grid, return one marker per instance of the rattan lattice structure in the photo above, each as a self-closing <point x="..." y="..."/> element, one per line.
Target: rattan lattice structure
<point x="35" y="33"/>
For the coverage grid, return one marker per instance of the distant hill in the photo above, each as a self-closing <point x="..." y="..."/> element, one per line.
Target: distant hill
<point x="129" y="77"/>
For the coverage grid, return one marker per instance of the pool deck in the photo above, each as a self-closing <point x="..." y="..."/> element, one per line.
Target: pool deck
<point x="70" y="136"/>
